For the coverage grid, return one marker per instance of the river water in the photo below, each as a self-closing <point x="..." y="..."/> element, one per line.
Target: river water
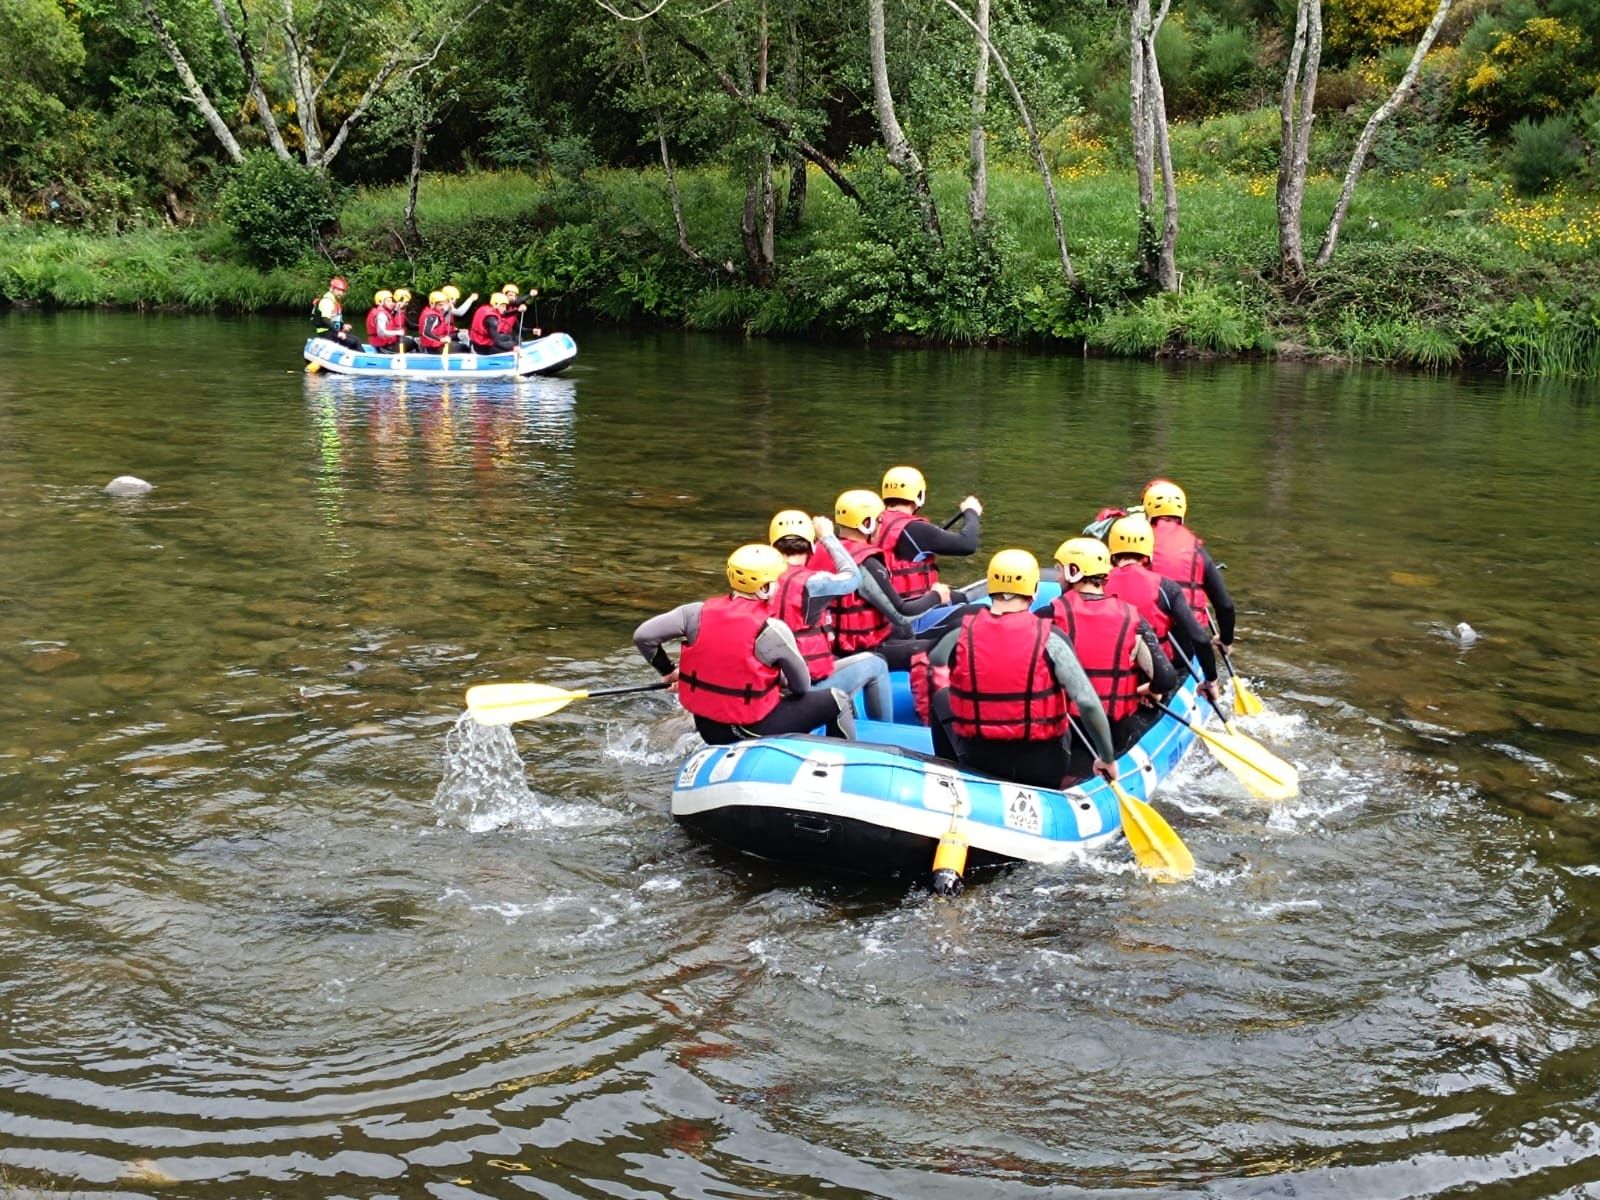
<point x="270" y="925"/>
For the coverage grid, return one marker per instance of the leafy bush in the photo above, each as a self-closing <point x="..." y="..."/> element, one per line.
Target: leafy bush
<point x="1511" y="69"/>
<point x="1542" y="154"/>
<point x="1360" y="26"/>
<point x="277" y="209"/>
<point x="1238" y="143"/>
<point x="1205" y="317"/>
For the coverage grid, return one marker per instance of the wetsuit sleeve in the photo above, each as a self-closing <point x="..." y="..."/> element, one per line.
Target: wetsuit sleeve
<point x="924" y="537"/>
<point x="939" y="656"/>
<point x="502" y="334"/>
<point x="1153" y="661"/>
<point x="1192" y="640"/>
<point x="1069" y="674"/>
<point x="460" y="310"/>
<point x="682" y="623"/>
<point x="1221" y="601"/>
<point x="876" y="589"/>
<point x="840" y="582"/>
<point x="775" y="646"/>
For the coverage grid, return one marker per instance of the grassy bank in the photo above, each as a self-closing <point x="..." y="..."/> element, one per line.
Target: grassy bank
<point x="1432" y="271"/>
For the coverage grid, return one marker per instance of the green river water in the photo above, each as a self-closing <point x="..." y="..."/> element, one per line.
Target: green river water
<point x="272" y="926"/>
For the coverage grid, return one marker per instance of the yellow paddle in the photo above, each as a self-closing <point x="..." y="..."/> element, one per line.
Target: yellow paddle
<point x="1245" y="702"/>
<point x="1156" y="848"/>
<point x="1262" y="772"/>
<point x="507" y="703"/>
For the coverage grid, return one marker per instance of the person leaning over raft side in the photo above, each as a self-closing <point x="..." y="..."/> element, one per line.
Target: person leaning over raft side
<point x="1114" y="645"/>
<point x="1159" y="600"/>
<point x="912" y="543"/>
<point x="875" y="616"/>
<point x="803" y="600"/>
<point x="327" y="314"/>
<point x="1012" y="675"/>
<point x="736" y="655"/>
<point x="1181" y="556"/>
<point x="492" y="332"/>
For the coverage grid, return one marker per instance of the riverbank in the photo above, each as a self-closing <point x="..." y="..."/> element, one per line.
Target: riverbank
<point x="1433" y="272"/>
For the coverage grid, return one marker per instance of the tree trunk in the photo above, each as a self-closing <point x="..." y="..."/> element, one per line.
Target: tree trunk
<point x="977" y="153"/>
<point x="1034" y="144"/>
<point x="1142" y="132"/>
<point x="1166" y="257"/>
<point x="419" y="142"/>
<point x="760" y="200"/>
<point x="676" y="200"/>
<point x="900" y="151"/>
<point x="197" y="94"/>
<point x="1294" y="143"/>
<point x="1358" y="160"/>
<point x="794" y="206"/>
<point x="247" y="59"/>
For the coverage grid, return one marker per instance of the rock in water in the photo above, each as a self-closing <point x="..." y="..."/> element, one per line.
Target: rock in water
<point x="1466" y="634"/>
<point x="127" y="485"/>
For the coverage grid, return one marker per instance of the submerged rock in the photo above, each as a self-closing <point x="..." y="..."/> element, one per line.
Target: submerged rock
<point x="127" y="485"/>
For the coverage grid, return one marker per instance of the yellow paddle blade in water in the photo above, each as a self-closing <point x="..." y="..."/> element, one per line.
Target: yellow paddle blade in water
<point x="1262" y="772"/>
<point x="507" y="703"/>
<point x="1156" y="848"/>
<point x="1245" y="702"/>
<point x="313" y="367"/>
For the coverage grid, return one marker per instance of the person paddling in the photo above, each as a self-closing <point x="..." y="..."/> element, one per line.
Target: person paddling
<point x="803" y="600"/>
<point x="1181" y="556"/>
<point x="327" y="314"/>
<point x="1159" y="600"/>
<point x="436" y="325"/>
<point x="911" y="544"/>
<point x="875" y="616"/>
<point x="740" y="672"/>
<point x="517" y="307"/>
<point x="492" y="332"/>
<point x="382" y="334"/>
<point x="1012" y="679"/>
<point x="1115" y="646"/>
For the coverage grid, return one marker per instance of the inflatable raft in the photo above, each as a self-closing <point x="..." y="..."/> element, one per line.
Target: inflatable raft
<point x="544" y="356"/>
<point x="878" y="805"/>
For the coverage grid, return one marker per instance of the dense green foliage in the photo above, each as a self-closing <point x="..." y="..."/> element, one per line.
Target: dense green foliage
<point x="1467" y="242"/>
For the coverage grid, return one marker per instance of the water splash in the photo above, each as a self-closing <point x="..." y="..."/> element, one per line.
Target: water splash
<point x="484" y="786"/>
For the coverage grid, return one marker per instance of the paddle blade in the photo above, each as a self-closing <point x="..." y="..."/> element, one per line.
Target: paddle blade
<point x="1262" y="772"/>
<point x="313" y="367"/>
<point x="507" y="703"/>
<point x="1245" y="702"/>
<point x="1156" y="848"/>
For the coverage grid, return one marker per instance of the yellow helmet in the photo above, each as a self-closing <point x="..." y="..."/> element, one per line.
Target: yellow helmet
<point x="1131" y="535"/>
<point x="791" y="522"/>
<point x="857" y="509"/>
<point x="451" y="292"/>
<point x="752" y="567"/>
<point x="1083" y="558"/>
<point x="437" y="298"/>
<point x="1015" y="572"/>
<point x="904" y="483"/>
<point x="1163" y="498"/>
<point x="497" y="298"/>
<point x="385" y="296"/>
<point x="402" y="295"/>
<point x="511" y="291"/>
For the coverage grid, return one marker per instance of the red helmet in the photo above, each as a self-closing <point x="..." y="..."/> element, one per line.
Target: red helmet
<point x="338" y="283"/>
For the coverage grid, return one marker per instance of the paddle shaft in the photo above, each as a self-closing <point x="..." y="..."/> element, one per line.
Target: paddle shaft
<point x="1189" y="662"/>
<point x="659" y="685"/>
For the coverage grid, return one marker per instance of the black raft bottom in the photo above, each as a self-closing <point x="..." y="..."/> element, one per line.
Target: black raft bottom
<point x="817" y="840"/>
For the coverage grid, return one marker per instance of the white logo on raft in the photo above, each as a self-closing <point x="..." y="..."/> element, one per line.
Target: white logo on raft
<point x="1022" y="809"/>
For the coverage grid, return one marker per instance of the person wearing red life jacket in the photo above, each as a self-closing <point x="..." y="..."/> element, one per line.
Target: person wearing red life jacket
<point x="740" y="673"/>
<point x="875" y="616"/>
<point x="1013" y="679"/>
<point x="1160" y="601"/>
<point x="492" y="332"/>
<point x="402" y="316"/>
<point x="1115" y="646"/>
<point x="911" y="544"/>
<point x="436" y="325"/>
<point x="1183" y="557"/>
<point x="383" y="330"/>
<point x="803" y="600"/>
<point x="517" y="310"/>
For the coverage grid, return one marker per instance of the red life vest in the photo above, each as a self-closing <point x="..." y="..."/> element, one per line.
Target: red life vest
<point x="719" y="675"/>
<point x="1178" y="556"/>
<point x="911" y="577"/>
<point x="480" y="333"/>
<point x="1104" y="632"/>
<point x="434" y="329"/>
<point x="1141" y="587"/>
<point x="857" y="625"/>
<point x="1001" y="684"/>
<point x="789" y="606"/>
<point x="379" y="341"/>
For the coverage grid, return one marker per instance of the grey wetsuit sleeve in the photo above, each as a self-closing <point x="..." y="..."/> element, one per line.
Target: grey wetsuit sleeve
<point x="775" y="646"/>
<point x="1070" y="675"/>
<point x="839" y="582"/>
<point x="681" y="624"/>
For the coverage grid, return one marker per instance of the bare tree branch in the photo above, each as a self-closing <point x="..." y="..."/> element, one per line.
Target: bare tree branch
<point x="241" y="45"/>
<point x="197" y="93"/>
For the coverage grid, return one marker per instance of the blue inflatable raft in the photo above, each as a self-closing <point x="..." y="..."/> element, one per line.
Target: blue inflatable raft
<point x="878" y="805"/>
<point x="544" y="356"/>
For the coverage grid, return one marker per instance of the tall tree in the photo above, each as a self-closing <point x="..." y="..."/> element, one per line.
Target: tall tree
<point x="1369" y="134"/>
<point x="977" y="151"/>
<point x="1296" y="110"/>
<point x="1147" y="105"/>
<point x="895" y="144"/>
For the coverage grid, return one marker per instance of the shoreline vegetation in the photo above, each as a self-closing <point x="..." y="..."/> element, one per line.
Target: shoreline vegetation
<point x="1435" y="271"/>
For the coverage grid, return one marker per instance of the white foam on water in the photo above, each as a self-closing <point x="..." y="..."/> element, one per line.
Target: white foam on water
<point x="653" y="744"/>
<point x="484" y="786"/>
